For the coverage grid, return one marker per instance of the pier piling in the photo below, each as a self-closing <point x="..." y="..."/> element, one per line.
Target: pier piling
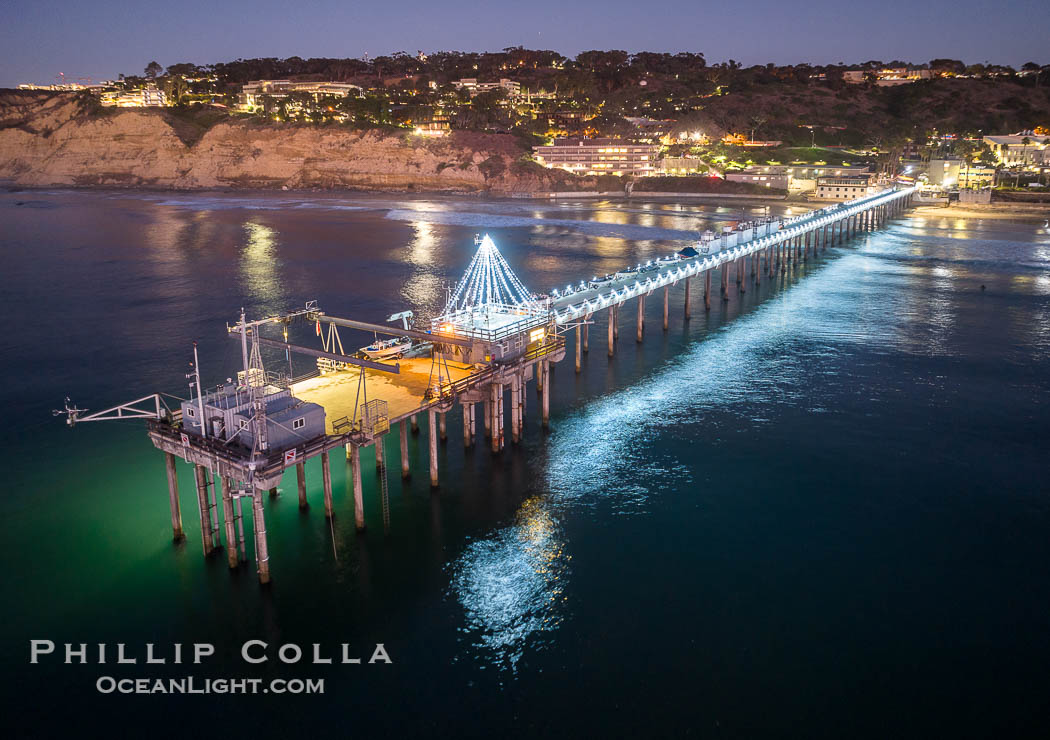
<point x="667" y="304"/>
<point x="227" y="520"/>
<point x="177" y="534"/>
<point x="201" y="476"/>
<point x="359" y="499"/>
<point x="405" y="470"/>
<point x="262" y="551"/>
<point x="579" y="358"/>
<point x="300" y="479"/>
<point x="641" y="317"/>
<point x="326" y="477"/>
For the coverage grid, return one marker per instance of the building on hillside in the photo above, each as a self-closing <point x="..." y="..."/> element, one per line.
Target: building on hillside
<point x="888" y="76"/>
<point x="1011" y="150"/>
<point x="741" y="140"/>
<point x="793" y="177"/>
<point x="252" y="93"/>
<point x="599" y="156"/>
<point x="770" y="177"/>
<point x="682" y="166"/>
<point x="473" y="87"/>
<point x="958" y="173"/>
<point x="435" y="127"/>
<point x="844" y="187"/>
<point x="146" y="97"/>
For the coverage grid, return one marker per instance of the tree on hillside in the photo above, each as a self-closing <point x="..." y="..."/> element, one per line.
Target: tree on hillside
<point x="153" y="69"/>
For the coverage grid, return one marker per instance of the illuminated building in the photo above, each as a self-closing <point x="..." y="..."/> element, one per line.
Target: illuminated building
<point x="844" y="188"/>
<point x="252" y="93"/>
<point x="599" y="156"/>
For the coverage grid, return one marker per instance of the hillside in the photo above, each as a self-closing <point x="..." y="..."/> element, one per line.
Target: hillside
<point x="53" y="139"/>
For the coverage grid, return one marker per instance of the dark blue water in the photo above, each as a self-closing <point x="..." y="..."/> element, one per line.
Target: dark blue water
<point x="818" y="510"/>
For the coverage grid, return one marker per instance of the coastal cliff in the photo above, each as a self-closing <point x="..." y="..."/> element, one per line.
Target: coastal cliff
<point x="55" y="140"/>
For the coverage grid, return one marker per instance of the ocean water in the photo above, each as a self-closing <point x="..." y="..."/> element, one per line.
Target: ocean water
<point x="819" y="509"/>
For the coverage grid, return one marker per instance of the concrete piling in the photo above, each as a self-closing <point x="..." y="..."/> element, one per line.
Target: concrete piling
<point x="359" y="498"/>
<point x="405" y="470"/>
<point x="515" y="400"/>
<point x="667" y="299"/>
<point x="641" y="317"/>
<point x="173" y="498"/>
<point x="227" y="519"/>
<point x="546" y="412"/>
<point x="688" y="309"/>
<point x="326" y="477"/>
<point x="378" y="445"/>
<point x="579" y="357"/>
<point x="200" y="474"/>
<point x="468" y="425"/>
<point x="707" y="291"/>
<point x="300" y="479"/>
<point x="442" y="428"/>
<point x="273" y="492"/>
<point x="612" y="338"/>
<point x="586" y="333"/>
<point x="433" y="439"/>
<point x="262" y="551"/>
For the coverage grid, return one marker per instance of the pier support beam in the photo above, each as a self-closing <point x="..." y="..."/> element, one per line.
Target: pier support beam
<point x="616" y="320"/>
<point x="227" y="520"/>
<point x="667" y="305"/>
<point x="725" y="281"/>
<point x="442" y="428"/>
<point x="432" y="419"/>
<point x="515" y="397"/>
<point x="380" y="452"/>
<point x="586" y="335"/>
<point x="468" y="425"/>
<point x="415" y="424"/>
<point x="496" y="408"/>
<point x="326" y="478"/>
<point x="359" y="498"/>
<point x="487" y="412"/>
<point x="641" y="317"/>
<point x="173" y="498"/>
<point x="262" y="551"/>
<point x="687" y="312"/>
<point x="579" y="363"/>
<point x="273" y="492"/>
<point x="707" y="291"/>
<point x="612" y="340"/>
<point x="300" y="479"/>
<point x="405" y="469"/>
<point x="201" y="474"/>
<point x="741" y="271"/>
<point x="546" y="413"/>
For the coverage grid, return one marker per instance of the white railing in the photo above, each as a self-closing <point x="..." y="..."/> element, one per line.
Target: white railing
<point x="790" y="229"/>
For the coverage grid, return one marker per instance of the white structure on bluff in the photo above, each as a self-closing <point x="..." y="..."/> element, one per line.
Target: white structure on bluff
<point x="252" y="93"/>
<point x="599" y="156"/>
<point x="844" y="188"/>
<point x="1011" y="149"/>
<point x="473" y="87"/>
<point x="147" y="97"/>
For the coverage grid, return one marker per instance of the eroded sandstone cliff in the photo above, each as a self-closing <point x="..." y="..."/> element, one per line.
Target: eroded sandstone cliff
<point x="48" y="140"/>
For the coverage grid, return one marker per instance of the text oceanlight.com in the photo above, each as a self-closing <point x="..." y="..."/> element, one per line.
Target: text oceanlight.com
<point x="191" y="685"/>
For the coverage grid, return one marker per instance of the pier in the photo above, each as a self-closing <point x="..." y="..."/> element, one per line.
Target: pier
<point x="494" y="339"/>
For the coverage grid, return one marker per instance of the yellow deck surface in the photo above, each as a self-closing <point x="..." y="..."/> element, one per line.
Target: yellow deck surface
<point x="403" y="392"/>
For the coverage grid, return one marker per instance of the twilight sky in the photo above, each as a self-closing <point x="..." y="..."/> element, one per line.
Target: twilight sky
<point x="41" y="38"/>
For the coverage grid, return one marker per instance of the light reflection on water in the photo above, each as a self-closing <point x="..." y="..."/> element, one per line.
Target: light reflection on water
<point x="510" y="585"/>
<point x="260" y="268"/>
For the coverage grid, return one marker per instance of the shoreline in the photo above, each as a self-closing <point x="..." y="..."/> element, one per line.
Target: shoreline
<point x="994" y="211"/>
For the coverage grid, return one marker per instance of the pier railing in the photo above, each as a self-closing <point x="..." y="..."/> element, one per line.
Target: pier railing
<point x="696" y="266"/>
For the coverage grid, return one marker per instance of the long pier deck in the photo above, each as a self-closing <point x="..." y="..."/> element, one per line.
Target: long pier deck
<point x="471" y="365"/>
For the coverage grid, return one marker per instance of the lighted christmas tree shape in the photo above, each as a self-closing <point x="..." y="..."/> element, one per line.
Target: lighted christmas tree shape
<point x="489" y="282"/>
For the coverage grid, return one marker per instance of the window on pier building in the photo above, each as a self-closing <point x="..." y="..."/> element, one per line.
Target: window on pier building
<point x="299" y="423"/>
